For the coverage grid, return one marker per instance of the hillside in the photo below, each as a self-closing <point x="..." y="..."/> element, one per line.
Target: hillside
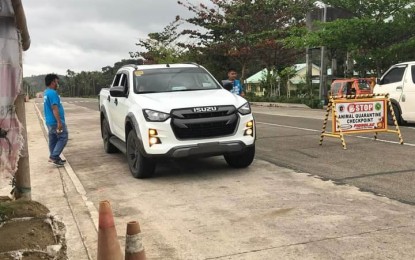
<point x="36" y="83"/>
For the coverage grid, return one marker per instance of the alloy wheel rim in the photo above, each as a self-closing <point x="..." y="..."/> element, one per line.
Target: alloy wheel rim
<point x="132" y="153"/>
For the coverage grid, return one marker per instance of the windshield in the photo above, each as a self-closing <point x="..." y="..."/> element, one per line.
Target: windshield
<point x="363" y="85"/>
<point x="335" y="87"/>
<point x="173" y="79"/>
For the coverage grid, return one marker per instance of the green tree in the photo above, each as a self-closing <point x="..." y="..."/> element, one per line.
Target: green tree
<point x="161" y="47"/>
<point x="70" y="83"/>
<point x="89" y="83"/>
<point x="285" y="75"/>
<point x="380" y="33"/>
<point x="245" y="31"/>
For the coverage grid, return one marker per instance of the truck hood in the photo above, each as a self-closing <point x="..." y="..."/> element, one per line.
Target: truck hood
<point x="165" y="102"/>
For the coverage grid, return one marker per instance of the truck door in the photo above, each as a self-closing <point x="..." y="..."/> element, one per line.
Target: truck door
<point x="118" y="106"/>
<point x="112" y="107"/>
<point x="122" y="107"/>
<point x="108" y="100"/>
<point x="392" y="82"/>
<point x="407" y="101"/>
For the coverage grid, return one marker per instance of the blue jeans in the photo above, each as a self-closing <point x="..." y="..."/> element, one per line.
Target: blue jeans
<point x="57" y="141"/>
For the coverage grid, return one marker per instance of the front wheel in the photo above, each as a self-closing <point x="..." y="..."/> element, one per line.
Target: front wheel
<point x="397" y="115"/>
<point x="106" y="135"/>
<point x="242" y="159"/>
<point x="140" y="166"/>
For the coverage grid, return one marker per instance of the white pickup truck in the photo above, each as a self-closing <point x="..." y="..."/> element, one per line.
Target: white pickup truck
<point x="151" y="112"/>
<point x="399" y="82"/>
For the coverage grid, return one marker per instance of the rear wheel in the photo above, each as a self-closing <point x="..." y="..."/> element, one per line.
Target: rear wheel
<point x="140" y="166"/>
<point x="242" y="159"/>
<point x="397" y="115"/>
<point x="106" y="135"/>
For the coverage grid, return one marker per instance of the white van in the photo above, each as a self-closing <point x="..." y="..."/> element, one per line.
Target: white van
<point x="399" y="82"/>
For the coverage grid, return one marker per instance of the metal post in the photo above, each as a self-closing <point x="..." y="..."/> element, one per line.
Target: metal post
<point x="279" y="86"/>
<point x="323" y="66"/>
<point x="323" y="73"/>
<point x="309" y="63"/>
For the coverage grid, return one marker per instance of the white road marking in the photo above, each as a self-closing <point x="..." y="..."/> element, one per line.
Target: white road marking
<point x="315" y="130"/>
<point x="384" y="141"/>
<point x="80" y="101"/>
<point x="291" y="127"/>
<point x="285" y="115"/>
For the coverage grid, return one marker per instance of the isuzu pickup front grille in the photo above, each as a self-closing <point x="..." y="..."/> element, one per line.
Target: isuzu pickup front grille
<point x="188" y="124"/>
<point x="205" y="115"/>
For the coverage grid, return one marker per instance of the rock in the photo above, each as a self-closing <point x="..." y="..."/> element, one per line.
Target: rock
<point x="53" y="250"/>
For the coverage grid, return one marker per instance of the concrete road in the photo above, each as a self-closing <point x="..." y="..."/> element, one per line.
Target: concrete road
<point x="290" y="138"/>
<point x="202" y="209"/>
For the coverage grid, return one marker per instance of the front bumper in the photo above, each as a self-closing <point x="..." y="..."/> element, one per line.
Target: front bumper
<point x="170" y="146"/>
<point x="207" y="149"/>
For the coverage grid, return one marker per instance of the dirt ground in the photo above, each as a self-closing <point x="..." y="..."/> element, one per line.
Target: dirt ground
<point x="28" y="231"/>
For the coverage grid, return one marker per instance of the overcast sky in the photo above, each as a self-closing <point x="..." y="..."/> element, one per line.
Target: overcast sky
<point x="90" y="34"/>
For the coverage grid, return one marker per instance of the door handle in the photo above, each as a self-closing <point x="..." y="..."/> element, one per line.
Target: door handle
<point x="109" y="98"/>
<point x="116" y="101"/>
<point x="399" y="88"/>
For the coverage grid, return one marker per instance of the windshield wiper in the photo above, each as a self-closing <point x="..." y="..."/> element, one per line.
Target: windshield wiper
<point x="193" y="89"/>
<point x="147" y="92"/>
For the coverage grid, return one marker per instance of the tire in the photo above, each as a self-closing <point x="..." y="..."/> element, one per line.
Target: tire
<point x="106" y="135"/>
<point x="241" y="160"/>
<point x="140" y="166"/>
<point x="397" y="115"/>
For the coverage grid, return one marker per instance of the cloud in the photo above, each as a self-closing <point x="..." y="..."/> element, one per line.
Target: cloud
<point x="88" y="35"/>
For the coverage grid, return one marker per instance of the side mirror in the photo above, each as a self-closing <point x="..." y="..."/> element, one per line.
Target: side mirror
<point x="118" y="91"/>
<point x="228" y="85"/>
<point x="378" y="81"/>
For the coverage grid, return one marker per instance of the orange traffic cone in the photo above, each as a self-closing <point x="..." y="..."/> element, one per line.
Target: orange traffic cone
<point x="108" y="245"/>
<point x="134" y="249"/>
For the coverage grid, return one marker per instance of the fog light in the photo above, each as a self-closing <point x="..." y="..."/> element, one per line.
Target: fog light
<point x="152" y="137"/>
<point x="249" y="132"/>
<point x="250" y="124"/>
<point x="154" y="140"/>
<point x="152" y="132"/>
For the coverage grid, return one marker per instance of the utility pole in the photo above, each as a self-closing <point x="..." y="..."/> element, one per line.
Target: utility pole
<point x="308" y="55"/>
<point x="323" y="65"/>
<point x="349" y="65"/>
<point x="23" y="187"/>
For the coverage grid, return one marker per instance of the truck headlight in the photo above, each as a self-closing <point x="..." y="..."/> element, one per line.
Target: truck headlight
<point x="245" y="109"/>
<point x="155" y="116"/>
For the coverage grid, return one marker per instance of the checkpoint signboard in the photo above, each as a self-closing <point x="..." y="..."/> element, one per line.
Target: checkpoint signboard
<point x="352" y="114"/>
<point x="363" y="115"/>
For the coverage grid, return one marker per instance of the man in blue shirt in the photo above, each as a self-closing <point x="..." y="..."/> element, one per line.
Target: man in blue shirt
<point x="55" y="120"/>
<point x="237" y="85"/>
